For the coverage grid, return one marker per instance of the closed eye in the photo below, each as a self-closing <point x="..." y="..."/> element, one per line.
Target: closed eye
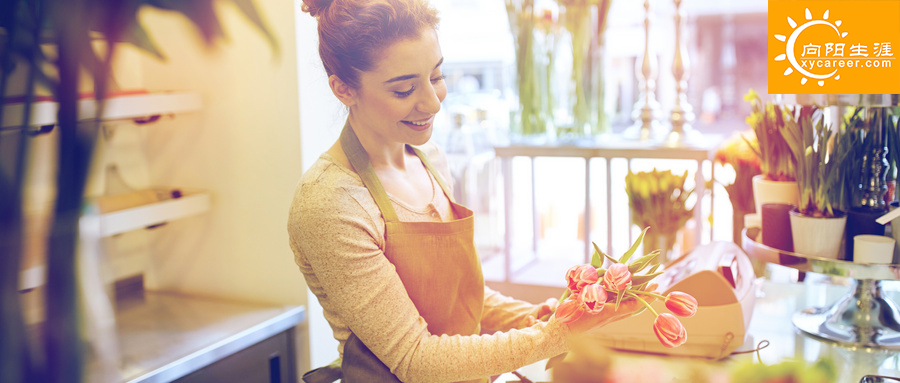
<point x="438" y="78"/>
<point x="405" y="94"/>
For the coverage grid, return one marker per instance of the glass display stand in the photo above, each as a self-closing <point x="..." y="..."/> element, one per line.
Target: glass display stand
<point x="864" y="317"/>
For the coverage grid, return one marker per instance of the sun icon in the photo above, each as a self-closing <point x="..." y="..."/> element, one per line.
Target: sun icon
<point x="792" y="40"/>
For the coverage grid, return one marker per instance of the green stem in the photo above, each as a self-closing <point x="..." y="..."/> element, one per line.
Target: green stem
<point x="642" y="301"/>
<point x="652" y="294"/>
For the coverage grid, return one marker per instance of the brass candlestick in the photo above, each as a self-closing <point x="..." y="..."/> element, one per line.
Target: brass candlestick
<point x="646" y="110"/>
<point x="682" y="111"/>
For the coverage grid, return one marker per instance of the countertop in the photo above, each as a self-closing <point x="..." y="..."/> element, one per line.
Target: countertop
<point x="776" y="303"/>
<point x="165" y="336"/>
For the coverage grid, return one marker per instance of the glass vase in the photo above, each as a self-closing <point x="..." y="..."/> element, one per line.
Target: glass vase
<point x="580" y="113"/>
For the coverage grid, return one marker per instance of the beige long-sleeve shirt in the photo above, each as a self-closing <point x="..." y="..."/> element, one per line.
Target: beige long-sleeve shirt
<point x="337" y="235"/>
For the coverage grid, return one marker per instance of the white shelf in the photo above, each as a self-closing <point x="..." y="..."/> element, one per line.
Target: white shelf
<point x="117" y="108"/>
<point x="32" y="278"/>
<point x="109" y="224"/>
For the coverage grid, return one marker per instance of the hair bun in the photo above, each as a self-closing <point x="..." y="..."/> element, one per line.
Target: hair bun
<point x="315" y="7"/>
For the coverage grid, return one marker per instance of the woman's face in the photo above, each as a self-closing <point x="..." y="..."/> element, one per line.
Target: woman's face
<point x="397" y="100"/>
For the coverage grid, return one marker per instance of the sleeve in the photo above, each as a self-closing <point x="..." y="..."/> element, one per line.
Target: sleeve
<point x="502" y="313"/>
<point x="341" y="242"/>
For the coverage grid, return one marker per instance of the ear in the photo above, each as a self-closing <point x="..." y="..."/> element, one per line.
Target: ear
<point x="344" y="93"/>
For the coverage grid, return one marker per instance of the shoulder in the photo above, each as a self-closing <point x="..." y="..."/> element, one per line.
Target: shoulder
<point x="327" y="192"/>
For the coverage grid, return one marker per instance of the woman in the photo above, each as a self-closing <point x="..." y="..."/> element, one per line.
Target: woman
<point x="381" y="244"/>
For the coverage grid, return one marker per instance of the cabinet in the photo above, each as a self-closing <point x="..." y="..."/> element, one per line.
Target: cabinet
<point x="264" y="362"/>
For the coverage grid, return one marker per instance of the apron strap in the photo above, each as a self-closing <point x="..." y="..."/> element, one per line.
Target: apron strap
<point x="435" y="174"/>
<point x="325" y="374"/>
<point x="359" y="159"/>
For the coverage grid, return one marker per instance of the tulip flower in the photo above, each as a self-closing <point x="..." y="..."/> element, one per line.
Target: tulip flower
<point x="593" y="297"/>
<point x="681" y="304"/>
<point x="579" y="276"/>
<point x="586" y="294"/>
<point x="669" y="330"/>
<point x="570" y="310"/>
<point x="617" y="278"/>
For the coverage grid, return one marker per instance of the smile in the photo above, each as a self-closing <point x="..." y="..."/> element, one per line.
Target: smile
<point x="419" y="125"/>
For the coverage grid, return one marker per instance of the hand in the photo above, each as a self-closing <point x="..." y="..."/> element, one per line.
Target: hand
<point x="542" y="311"/>
<point x="628" y="307"/>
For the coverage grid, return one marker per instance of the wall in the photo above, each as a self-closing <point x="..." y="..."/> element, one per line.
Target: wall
<point x="321" y="120"/>
<point x="243" y="146"/>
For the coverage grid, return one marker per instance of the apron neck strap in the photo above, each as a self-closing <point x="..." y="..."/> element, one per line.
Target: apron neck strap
<point x="435" y="174"/>
<point x="359" y="159"/>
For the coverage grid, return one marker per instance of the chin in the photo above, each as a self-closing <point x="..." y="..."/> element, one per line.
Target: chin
<point x="420" y="138"/>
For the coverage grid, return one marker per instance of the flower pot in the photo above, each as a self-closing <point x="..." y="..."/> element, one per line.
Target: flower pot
<point x="817" y="237"/>
<point x="766" y="191"/>
<point x="861" y="220"/>
<point x="776" y="226"/>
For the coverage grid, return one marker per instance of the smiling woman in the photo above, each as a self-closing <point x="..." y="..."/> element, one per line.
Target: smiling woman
<point x="398" y="98"/>
<point x="374" y="228"/>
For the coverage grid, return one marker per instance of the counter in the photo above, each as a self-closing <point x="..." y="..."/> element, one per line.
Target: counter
<point x="168" y="336"/>
<point x="777" y="302"/>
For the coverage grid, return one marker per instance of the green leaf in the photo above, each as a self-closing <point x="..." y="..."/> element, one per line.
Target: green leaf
<point x="201" y="13"/>
<point x="136" y="35"/>
<point x="618" y="300"/>
<point x="634" y="247"/>
<point x="248" y="8"/>
<point x="597" y="258"/>
<point x="611" y="259"/>
<point x="643" y="262"/>
<point x="641" y="279"/>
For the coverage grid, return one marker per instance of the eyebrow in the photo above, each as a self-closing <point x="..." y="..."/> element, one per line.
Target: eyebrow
<point x="409" y="76"/>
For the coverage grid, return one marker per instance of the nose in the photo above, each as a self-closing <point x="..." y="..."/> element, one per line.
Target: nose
<point x="431" y="99"/>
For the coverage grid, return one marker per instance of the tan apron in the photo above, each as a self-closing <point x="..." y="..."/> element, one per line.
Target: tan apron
<point x="436" y="261"/>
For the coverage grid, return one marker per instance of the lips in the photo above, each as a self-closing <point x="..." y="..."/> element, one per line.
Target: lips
<point x="419" y="125"/>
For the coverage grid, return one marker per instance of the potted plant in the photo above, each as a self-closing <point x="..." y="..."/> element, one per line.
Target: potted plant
<point x="658" y="199"/>
<point x="817" y="226"/>
<point x="776" y="184"/>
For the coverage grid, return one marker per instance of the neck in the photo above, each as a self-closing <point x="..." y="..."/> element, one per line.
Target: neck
<point x="382" y="153"/>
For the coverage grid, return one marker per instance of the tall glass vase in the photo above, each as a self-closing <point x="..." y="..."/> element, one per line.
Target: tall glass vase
<point x="530" y="119"/>
<point x="580" y="107"/>
<point x="600" y="122"/>
<point x="572" y="116"/>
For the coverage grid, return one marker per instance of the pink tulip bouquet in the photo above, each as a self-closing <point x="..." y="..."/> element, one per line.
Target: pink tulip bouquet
<point x="591" y="287"/>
